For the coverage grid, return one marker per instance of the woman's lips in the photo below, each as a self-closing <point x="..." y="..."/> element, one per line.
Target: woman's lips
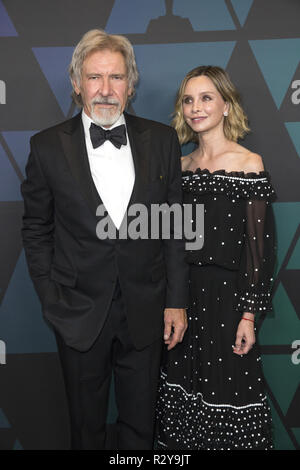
<point x="199" y="118"/>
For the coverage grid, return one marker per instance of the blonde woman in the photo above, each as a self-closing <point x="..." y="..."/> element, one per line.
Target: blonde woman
<point x="211" y="394"/>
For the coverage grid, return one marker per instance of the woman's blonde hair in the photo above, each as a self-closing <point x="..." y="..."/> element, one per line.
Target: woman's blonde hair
<point x="98" y="40"/>
<point x="235" y="124"/>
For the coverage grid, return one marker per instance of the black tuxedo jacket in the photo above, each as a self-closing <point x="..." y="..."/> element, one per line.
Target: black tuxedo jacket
<point x="73" y="271"/>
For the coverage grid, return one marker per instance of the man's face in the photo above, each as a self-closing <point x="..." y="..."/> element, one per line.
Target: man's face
<point x="104" y="86"/>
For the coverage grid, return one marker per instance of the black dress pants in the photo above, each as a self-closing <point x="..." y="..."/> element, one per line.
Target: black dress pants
<point x="87" y="378"/>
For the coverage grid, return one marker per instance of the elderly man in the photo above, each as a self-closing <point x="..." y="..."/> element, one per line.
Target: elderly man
<point x="107" y="299"/>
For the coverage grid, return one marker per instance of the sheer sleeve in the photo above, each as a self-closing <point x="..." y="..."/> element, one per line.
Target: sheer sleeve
<point x="258" y="258"/>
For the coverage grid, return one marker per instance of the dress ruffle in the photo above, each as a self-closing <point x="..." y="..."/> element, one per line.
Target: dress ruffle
<point x="191" y="423"/>
<point x="235" y="185"/>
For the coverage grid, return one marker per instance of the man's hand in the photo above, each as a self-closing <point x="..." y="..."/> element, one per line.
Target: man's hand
<point x="175" y="326"/>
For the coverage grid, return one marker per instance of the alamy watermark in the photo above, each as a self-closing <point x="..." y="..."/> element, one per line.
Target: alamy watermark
<point x="2" y="352"/>
<point x="159" y="222"/>
<point x="2" y="92"/>
<point x="296" y="94"/>
<point x="296" y="354"/>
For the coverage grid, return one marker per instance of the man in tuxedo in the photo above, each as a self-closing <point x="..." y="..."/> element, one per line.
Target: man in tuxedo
<point x="110" y="301"/>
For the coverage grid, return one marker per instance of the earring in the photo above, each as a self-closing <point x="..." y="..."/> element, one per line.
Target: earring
<point x="225" y="113"/>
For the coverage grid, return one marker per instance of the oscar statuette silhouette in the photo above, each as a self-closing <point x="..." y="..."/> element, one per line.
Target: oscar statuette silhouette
<point x="169" y="23"/>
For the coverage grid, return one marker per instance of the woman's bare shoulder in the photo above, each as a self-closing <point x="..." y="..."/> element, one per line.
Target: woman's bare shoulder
<point x="253" y="163"/>
<point x="247" y="161"/>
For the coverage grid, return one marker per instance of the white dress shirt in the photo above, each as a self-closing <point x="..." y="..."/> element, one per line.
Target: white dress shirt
<point x="112" y="170"/>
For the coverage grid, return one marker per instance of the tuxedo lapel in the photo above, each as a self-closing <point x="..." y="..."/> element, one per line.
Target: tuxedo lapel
<point x="73" y="142"/>
<point x="139" y="139"/>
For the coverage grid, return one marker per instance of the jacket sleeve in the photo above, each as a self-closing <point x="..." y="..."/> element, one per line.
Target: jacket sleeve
<point x="174" y="249"/>
<point x="38" y="222"/>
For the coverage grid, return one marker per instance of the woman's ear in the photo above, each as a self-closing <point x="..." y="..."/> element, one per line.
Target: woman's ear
<point x="226" y="109"/>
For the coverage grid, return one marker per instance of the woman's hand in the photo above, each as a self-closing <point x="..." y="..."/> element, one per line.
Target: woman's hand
<point x="245" y="336"/>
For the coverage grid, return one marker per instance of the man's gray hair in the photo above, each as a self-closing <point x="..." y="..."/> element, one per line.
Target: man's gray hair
<point x="98" y="40"/>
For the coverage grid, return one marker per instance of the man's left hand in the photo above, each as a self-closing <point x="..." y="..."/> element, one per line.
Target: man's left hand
<point x="175" y="326"/>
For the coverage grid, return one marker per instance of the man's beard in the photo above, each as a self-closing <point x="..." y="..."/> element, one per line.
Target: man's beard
<point x="105" y="116"/>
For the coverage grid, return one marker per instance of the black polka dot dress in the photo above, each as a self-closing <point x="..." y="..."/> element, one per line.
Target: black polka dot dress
<point x="209" y="397"/>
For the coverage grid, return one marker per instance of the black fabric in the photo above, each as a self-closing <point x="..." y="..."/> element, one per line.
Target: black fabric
<point x="117" y="135"/>
<point x="76" y="275"/>
<point x="239" y="230"/>
<point x="88" y="376"/>
<point x="211" y="398"/>
<point x="73" y="271"/>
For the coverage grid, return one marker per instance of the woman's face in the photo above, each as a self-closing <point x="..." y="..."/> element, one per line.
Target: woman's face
<point x="202" y="105"/>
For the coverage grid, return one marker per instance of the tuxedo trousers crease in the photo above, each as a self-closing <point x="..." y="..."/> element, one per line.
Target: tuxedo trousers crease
<point x="88" y="376"/>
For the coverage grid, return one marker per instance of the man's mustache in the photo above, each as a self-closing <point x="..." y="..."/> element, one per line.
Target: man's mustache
<point x="105" y="101"/>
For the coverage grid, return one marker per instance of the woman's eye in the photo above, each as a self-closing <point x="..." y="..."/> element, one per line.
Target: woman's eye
<point x="206" y="98"/>
<point x="187" y="100"/>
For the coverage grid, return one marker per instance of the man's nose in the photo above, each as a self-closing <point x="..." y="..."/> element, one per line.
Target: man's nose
<point x="105" y="86"/>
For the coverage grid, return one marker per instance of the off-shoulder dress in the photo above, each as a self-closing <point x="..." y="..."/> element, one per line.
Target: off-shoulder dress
<point x="209" y="397"/>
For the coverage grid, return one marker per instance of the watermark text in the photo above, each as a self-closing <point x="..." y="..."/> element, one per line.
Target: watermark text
<point x="296" y="94"/>
<point x="296" y="354"/>
<point x="2" y="92"/>
<point x="2" y="352"/>
<point x="159" y="222"/>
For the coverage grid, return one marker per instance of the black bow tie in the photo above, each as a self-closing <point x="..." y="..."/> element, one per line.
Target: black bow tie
<point x="117" y="135"/>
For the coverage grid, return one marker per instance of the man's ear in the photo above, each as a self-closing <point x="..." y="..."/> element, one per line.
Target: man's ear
<point x="76" y="88"/>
